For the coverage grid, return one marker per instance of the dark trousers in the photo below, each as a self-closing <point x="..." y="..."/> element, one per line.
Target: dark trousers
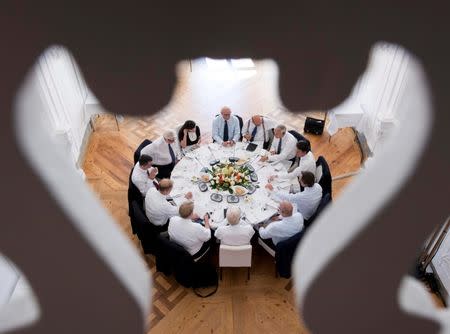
<point x="164" y="171"/>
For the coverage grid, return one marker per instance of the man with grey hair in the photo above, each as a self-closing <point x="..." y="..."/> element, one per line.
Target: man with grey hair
<point x="225" y="129"/>
<point x="236" y="233"/>
<point x="283" y="145"/>
<point x="165" y="153"/>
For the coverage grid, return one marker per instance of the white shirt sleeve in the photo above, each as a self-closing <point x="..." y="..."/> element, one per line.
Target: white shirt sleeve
<point x="204" y="233"/>
<point x="289" y="146"/>
<point x="216" y="130"/>
<point x="273" y="230"/>
<point x="237" y="130"/>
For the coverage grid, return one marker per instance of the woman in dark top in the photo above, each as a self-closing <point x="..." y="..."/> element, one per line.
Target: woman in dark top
<point x="189" y="134"/>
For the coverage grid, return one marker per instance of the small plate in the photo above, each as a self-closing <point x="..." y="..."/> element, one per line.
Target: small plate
<point x="233" y="159"/>
<point x="203" y="186"/>
<point x="232" y="199"/>
<point x="241" y="162"/>
<point x="204" y="170"/>
<point x="250" y="189"/>
<point x="216" y="197"/>
<point x="214" y="162"/>
<point x="250" y="168"/>
<point x="205" y="177"/>
<point x="254" y="177"/>
<point x="239" y="190"/>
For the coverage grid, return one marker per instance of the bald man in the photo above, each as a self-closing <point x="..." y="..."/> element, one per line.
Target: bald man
<point x="225" y="128"/>
<point x="236" y="233"/>
<point x="259" y="128"/>
<point x="281" y="227"/>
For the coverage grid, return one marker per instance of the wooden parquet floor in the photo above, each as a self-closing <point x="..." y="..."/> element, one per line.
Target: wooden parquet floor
<point x="238" y="306"/>
<point x="264" y="304"/>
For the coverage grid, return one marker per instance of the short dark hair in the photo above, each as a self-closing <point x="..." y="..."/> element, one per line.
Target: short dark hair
<point x="304" y="146"/>
<point x="308" y="179"/>
<point x="145" y="159"/>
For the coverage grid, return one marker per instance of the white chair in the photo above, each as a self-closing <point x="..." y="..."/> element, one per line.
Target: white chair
<point x="235" y="256"/>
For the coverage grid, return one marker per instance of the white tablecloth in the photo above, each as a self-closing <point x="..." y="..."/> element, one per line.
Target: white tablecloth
<point x="256" y="207"/>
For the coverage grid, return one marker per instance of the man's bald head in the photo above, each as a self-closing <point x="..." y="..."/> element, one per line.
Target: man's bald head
<point x="286" y="209"/>
<point x="257" y="120"/>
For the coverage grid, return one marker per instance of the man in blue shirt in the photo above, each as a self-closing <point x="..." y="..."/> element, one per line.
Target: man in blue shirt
<point x="225" y="129"/>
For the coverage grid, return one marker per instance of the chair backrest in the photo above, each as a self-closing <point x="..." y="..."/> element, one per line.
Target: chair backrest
<point x="134" y="194"/>
<point x="284" y="253"/>
<point x="325" y="179"/>
<point x="326" y="199"/>
<point x="137" y="153"/>
<point x="298" y="136"/>
<point x="235" y="256"/>
<point x="144" y="226"/>
<point x="173" y="258"/>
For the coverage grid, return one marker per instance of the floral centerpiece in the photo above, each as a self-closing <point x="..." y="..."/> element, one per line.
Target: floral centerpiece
<point x="225" y="176"/>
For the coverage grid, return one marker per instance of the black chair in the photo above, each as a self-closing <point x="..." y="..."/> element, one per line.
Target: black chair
<point x="284" y="254"/>
<point x="134" y="194"/>
<point x="173" y="258"/>
<point x="326" y="199"/>
<point x="145" y="230"/>
<point x="325" y="179"/>
<point x="241" y="125"/>
<point x="137" y="153"/>
<point x="298" y="136"/>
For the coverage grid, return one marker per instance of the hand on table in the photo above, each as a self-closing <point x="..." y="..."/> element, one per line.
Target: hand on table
<point x="188" y="195"/>
<point x="275" y="218"/>
<point x="269" y="186"/>
<point x="264" y="158"/>
<point x="247" y="136"/>
<point x="272" y="152"/>
<point x="272" y="177"/>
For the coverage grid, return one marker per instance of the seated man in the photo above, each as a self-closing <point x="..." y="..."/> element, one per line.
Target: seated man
<point x="279" y="229"/>
<point x="283" y="145"/>
<point x="236" y="233"/>
<point x="308" y="200"/>
<point x="159" y="206"/>
<point x="189" y="234"/>
<point x="259" y="128"/>
<point x="143" y="176"/>
<point x="164" y="152"/>
<point x="225" y="128"/>
<point x="304" y="162"/>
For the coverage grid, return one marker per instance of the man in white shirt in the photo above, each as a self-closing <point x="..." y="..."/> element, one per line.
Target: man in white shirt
<point x="159" y="206"/>
<point x="191" y="235"/>
<point x="306" y="201"/>
<point x="225" y="128"/>
<point x="143" y="176"/>
<point x="259" y="128"/>
<point x="304" y="162"/>
<point x="281" y="228"/>
<point x="283" y="145"/>
<point x="236" y="233"/>
<point x="165" y="153"/>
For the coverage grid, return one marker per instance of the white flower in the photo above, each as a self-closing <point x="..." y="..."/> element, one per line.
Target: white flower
<point x="212" y="182"/>
<point x="247" y="177"/>
<point x="232" y="183"/>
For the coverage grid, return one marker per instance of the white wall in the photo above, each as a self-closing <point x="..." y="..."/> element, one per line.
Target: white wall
<point x="378" y="93"/>
<point x="61" y="93"/>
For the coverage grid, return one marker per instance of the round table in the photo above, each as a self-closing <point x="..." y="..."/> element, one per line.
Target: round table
<point x="255" y="208"/>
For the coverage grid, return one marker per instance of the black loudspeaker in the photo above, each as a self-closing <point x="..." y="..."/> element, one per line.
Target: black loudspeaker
<point x="314" y="125"/>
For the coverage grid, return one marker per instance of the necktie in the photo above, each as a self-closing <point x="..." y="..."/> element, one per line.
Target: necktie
<point x="295" y="164"/>
<point x="172" y="154"/>
<point x="225" y="131"/>
<point x="254" y="133"/>
<point x="279" y="147"/>
<point x="156" y="184"/>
